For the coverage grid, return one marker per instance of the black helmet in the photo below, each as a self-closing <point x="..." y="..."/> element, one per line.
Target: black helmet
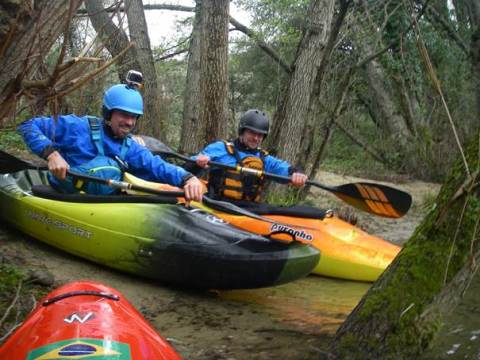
<point x="255" y="120"/>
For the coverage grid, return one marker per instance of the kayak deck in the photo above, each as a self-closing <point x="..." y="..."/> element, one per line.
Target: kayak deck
<point x="86" y="319"/>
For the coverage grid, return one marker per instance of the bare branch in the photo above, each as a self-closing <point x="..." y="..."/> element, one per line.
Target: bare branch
<point x="9" y="332"/>
<point x="355" y="139"/>
<point x="261" y="44"/>
<point x="75" y="84"/>
<point x="168" y="56"/>
<point x="66" y="37"/>
<point x="436" y="84"/>
<point x="396" y="40"/>
<point x="67" y="65"/>
<point x="237" y="25"/>
<point x="175" y="53"/>
<point x="334" y="115"/>
<point x="12" y="304"/>
<point x="145" y="7"/>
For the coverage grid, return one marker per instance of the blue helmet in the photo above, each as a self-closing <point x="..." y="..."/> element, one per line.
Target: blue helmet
<point x="122" y="97"/>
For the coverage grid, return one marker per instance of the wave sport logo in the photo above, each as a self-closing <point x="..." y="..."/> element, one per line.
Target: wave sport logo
<point x="78" y="317"/>
<point x="296" y="234"/>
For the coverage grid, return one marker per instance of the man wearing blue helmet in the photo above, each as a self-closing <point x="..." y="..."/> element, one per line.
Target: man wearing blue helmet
<point x="102" y="147"/>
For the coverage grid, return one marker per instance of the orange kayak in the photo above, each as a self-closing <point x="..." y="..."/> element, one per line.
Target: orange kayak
<point x="86" y="320"/>
<point x="346" y="251"/>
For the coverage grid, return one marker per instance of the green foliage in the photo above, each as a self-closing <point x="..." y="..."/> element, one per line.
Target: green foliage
<point x="11" y="140"/>
<point x="171" y="77"/>
<point x="9" y="279"/>
<point x="343" y="156"/>
<point x="255" y="80"/>
<point x="432" y="148"/>
<point x="12" y="280"/>
<point x="292" y="196"/>
<point x="278" y="21"/>
<point x="429" y="201"/>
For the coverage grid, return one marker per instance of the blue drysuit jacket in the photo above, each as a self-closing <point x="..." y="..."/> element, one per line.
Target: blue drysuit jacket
<point x="70" y="135"/>
<point x="217" y="151"/>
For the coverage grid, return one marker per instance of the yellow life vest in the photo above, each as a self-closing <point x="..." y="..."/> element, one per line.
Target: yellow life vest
<point x="239" y="186"/>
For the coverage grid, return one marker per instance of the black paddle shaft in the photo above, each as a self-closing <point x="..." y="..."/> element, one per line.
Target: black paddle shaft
<point x="374" y="198"/>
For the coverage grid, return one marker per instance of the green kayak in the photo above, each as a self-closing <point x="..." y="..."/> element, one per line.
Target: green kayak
<point x="151" y="236"/>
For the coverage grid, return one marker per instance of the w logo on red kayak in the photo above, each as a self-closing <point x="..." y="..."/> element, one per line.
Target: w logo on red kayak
<point x="79" y="317"/>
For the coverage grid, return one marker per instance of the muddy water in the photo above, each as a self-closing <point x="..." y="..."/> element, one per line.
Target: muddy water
<point x="292" y="321"/>
<point x="460" y="337"/>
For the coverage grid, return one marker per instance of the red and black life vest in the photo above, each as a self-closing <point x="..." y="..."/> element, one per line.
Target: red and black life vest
<point x="235" y="185"/>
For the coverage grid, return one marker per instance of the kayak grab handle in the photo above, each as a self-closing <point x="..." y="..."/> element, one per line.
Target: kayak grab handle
<point x="299" y="236"/>
<point x="78" y="293"/>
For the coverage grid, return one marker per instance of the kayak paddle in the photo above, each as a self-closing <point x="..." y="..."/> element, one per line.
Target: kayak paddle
<point x="378" y="199"/>
<point x="374" y="198"/>
<point x="10" y="163"/>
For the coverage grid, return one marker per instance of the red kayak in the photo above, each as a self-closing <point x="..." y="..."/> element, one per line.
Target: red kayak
<point x="86" y="320"/>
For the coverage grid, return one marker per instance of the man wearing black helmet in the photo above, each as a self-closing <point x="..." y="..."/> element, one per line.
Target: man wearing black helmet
<point x="246" y="152"/>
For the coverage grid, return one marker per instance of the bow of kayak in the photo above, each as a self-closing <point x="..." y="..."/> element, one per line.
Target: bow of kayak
<point x="351" y="253"/>
<point x="86" y="319"/>
<point x="346" y="251"/>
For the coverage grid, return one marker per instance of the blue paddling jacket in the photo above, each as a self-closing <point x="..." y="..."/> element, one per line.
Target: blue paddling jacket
<point x="233" y="185"/>
<point x="71" y="136"/>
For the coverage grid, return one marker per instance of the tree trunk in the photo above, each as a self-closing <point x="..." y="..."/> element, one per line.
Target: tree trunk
<point x="192" y="128"/>
<point x="26" y="35"/>
<point x="290" y="117"/>
<point x="410" y="108"/>
<point x="214" y="66"/>
<point x="400" y="315"/>
<point x="474" y="9"/>
<point x="317" y="123"/>
<point x="113" y="37"/>
<point x="138" y="58"/>
<point x="391" y="121"/>
<point x="325" y="126"/>
<point x="154" y="119"/>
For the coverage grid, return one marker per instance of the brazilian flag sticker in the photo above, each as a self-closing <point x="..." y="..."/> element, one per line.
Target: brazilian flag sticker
<point x="82" y="349"/>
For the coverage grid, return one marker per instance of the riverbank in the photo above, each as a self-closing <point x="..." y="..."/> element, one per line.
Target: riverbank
<point x="291" y="321"/>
